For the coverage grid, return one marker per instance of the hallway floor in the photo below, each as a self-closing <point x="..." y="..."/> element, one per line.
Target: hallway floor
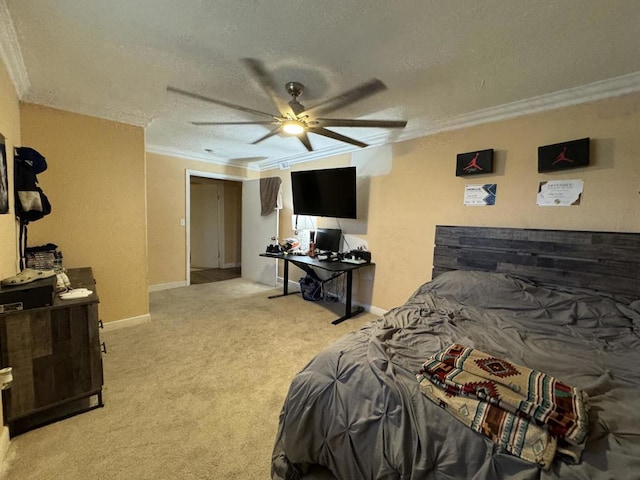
<point x="209" y="275"/>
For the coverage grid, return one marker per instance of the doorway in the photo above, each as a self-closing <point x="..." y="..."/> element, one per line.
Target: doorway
<point x="213" y="227"/>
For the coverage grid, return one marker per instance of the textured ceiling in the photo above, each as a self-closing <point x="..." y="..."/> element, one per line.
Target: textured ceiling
<point x="446" y="63"/>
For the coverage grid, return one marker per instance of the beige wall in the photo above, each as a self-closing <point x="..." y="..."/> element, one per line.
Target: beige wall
<point x="166" y="191"/>
<point x="96" y="185"/>
<point x="422" y="190"/>
<point x="10" y="129"/>
<point x="404" y="206"/>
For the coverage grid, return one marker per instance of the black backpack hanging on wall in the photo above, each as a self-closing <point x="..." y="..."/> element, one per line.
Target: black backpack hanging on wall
<point x="31" y="202"/>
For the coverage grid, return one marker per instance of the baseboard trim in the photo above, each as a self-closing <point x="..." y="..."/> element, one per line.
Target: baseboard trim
<point x="127" y="322"/>
<point x="231" y="265"/>
<point x="375" y="310"/>
<point x="166" y="286"/>
<point x="4" y="444"/>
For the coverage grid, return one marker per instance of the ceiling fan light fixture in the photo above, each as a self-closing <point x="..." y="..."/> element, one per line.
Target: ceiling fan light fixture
<point x="295" y="119"/>
<point x="293" y="127"/>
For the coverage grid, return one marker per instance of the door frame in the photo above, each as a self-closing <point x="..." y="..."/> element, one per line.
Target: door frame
<point x="216" y="176"/>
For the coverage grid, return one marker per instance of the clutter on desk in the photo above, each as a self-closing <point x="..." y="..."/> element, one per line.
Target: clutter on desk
<point x="18" y="294"/>
<point x="43" y="257"/>
<point x="75" y="293"/>
<point x="48" y="258"/>
<point x="27" y="275"/>
<point x="62" y="283"/>
<point x="285" y="246"/>
<point x="36" y="285"/>
<point x="358" y="254"/>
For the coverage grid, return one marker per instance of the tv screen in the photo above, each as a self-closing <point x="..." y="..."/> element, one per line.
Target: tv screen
<point x="325" y="193"/>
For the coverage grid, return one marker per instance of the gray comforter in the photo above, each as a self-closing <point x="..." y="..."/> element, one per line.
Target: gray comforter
<point x="356" y="407"/>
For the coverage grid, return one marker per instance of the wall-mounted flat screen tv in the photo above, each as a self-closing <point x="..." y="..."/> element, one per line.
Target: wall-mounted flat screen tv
<point x="325" y="193"/>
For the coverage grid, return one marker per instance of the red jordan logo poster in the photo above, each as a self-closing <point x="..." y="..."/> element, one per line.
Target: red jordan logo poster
<point x="480" y="161"/>
<point x="561" y="156"/>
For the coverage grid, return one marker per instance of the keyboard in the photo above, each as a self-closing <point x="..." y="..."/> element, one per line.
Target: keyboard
<point x="355" y="261"/>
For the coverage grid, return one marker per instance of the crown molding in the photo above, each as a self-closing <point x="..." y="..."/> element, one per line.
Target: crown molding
<point x="286" y="162"/>
<point x="188" y="155"/>
<point x="418" y="127"/>
<point x="422" y="127"/>
<point x="10" y="52"/>
<point x="11" y="56"/>
<point x="591" y="92"/>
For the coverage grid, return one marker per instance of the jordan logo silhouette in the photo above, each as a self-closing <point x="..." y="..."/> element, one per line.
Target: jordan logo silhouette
<point x="562" y="157"/>
<point x="473" y="165"/>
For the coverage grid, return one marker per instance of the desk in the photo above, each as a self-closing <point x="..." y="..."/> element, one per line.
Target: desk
<point x="305" y="263"/>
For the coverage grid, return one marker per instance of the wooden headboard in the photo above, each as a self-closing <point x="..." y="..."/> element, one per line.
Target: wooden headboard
<point x="605" y="261"/>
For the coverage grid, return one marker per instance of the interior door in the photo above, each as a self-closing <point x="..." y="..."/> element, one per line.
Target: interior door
<point x="205" y="245"/>
<point x="256" y="235"/>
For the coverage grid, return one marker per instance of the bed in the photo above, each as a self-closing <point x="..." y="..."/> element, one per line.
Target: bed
<point x="561" y="302"/>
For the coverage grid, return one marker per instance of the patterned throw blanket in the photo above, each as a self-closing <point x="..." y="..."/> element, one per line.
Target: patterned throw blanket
<point x="530" y="414"/>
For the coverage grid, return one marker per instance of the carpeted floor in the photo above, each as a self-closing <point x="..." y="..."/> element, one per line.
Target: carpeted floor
<point x="195" y="394"/>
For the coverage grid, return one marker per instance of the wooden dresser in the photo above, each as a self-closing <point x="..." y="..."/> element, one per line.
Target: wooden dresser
<point x="56" y="356"/>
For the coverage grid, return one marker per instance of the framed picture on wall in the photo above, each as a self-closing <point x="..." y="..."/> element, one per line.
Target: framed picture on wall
<point x="472" y="163"/>
<point x="562" y="156"/>
<point x="4" y="180"/>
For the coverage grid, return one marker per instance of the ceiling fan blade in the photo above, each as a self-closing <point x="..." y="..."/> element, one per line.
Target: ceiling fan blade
<point x="218" y="102"/>
<point x="304" y="138"/>
<point x="339" y="122"/>
<point x="268" y="135"/>
<point x="346" y="98"/>
<point x="232" y="123"/>
<point x="336" y="136"/>
<point x="267" y="84"/>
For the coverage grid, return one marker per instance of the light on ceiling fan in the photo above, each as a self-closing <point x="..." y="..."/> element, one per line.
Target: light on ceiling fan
<point x="293" y="127"/>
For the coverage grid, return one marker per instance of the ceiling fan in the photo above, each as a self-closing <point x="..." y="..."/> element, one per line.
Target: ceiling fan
<point x="293" y="118"/>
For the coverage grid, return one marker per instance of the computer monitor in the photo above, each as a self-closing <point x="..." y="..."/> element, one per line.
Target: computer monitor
<point x="328" y="239"/>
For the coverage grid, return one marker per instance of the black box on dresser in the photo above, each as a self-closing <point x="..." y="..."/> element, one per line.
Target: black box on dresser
<point x="39" y="293"/>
